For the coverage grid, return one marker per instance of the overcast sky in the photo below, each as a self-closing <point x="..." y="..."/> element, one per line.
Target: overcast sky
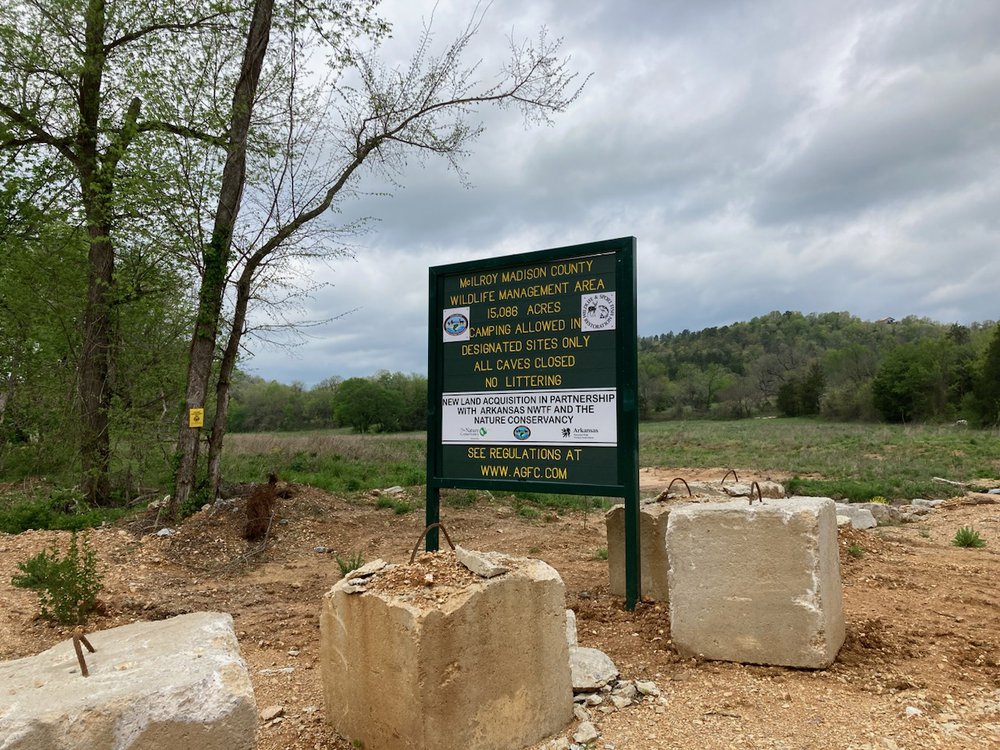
<point x="813" y="156"/>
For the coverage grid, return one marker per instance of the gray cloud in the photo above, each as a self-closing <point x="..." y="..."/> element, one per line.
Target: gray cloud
<point x="780" y="155"/>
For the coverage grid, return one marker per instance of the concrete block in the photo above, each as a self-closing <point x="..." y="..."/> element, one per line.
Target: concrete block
<point x="756" y="583"/>
<point x="654" y="583"/>
<point x="152" y="685"/>
<point x="437" y="657"/>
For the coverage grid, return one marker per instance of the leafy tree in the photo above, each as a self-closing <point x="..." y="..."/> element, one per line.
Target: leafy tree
<point x="365" y="405"/>
<point x="653" y="385"/>
<point x="86" y="89"/>
<point x="987" y="384"/>
<point x="387" y="117"/>
<point x="800" y="395"/>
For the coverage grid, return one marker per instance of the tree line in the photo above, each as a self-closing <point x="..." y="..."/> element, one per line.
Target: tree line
<point x="166" y="169"/>
<point x="830" y="365"/>
<point x="384" y="402"/>
<point x="833" y="365"/>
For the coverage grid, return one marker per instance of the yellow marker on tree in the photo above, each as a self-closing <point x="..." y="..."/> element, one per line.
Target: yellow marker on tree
<point x="196" y="417"/>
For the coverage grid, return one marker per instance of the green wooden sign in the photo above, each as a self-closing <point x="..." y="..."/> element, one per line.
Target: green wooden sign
<point x="532" y="378"/>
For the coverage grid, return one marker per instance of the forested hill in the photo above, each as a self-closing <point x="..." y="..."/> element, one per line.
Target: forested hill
<point x="828" y="363"/>
<point x="790" y="364"/>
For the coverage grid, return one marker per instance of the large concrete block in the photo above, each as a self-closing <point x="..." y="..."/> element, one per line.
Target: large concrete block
<point x="653" y="578"/>
<point x="177" y="683"/>
<point x="430" y="655"/>
<point x="756" y="583"/>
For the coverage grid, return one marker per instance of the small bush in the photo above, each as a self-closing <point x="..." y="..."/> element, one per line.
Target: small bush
<point x="855" y="550"/>
<point x="968" y="537"/>
<point x="400" y="507"/>
<point x="878" y="499"/>
<point x="384" y="501"/>
<point x="67" y="587"/>
<point x="601" y="553"/>
<point x="346" y="564"/>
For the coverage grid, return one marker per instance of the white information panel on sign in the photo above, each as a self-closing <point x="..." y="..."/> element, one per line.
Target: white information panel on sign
<point x="549" y="417"/>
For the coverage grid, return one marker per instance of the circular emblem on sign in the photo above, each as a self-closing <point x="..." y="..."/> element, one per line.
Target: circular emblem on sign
<point x="456" y="324"/>
<point x="522" y="433"/>
<point x="598" y="312"/>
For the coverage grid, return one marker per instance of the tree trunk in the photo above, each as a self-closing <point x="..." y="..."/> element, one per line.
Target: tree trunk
<point x="95" y="398"/>
<point x="226" y="368"/>
<point x="217" y="253"/>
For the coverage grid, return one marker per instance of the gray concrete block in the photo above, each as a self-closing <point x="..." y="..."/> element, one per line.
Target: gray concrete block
<point x="477" y="664"/>
<point x="756" y="583"/>
<point x="654" y="583"/>
<point x="153" y="685"/>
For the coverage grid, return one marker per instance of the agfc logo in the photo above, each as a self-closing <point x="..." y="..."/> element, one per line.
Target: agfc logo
<point x="455" y="325"/>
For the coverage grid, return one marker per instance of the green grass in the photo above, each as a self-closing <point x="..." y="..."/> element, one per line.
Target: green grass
<point x="332" y="461"/>
<point x="841" y="460"/>
<point x="968" y="537"/>
<point x="47" y="507"/>
<point x="850" y="461"/>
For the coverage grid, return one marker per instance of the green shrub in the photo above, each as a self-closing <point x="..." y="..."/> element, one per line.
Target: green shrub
<point x="67" y="587"/>
<point x="601" y="553"/>
<point x="878" y="499"/>
<point x="346" y="564"/>
<point x="855" y="550"/>
<point x="968" y="537"/>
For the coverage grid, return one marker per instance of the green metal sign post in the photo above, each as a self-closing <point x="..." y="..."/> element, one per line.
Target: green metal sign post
<point x="532" y="379"/>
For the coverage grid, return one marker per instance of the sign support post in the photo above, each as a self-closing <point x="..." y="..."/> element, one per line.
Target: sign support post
<point x="533" y="381"/>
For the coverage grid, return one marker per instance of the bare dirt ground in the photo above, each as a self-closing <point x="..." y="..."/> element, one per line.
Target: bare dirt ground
<point x="920" y="668"/>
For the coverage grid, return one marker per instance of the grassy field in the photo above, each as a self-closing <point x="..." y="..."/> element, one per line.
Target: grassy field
<point x="846" y="461"/>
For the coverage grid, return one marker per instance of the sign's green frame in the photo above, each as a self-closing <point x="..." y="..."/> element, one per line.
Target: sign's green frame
<point x="626" y="484"/>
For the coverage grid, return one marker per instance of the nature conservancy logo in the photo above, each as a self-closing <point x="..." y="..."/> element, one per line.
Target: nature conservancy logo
<point x="597" y="312"/>
<point x="522" y="432"/>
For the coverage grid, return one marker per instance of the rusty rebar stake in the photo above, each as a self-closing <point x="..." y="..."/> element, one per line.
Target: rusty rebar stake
<point x="682" y="480"/>
<point x="724" y="478"/>
<point x="760" y="497"/>
<point x="79" y="638"/>
<point x="424" y="533"/>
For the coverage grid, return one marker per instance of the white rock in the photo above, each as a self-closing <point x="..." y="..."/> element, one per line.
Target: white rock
<point x="571" y="637"/>
<point x="646" y="687"/>
<point x="585" y="733"/>
<point x="591" y="669"/>
<point x="620" y="701"/>
<point x="272" y="712"/>
<point x="861" y="518"/>
<point x="483" y="564"/>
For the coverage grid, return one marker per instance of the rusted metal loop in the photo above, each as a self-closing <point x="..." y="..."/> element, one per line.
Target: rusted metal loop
<point x="79" y="638"/>
<point x="731" y="471"/>
<point x="424" y="533"/>
<point x="760" y="497"/>
<point x="681" y="480"/>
